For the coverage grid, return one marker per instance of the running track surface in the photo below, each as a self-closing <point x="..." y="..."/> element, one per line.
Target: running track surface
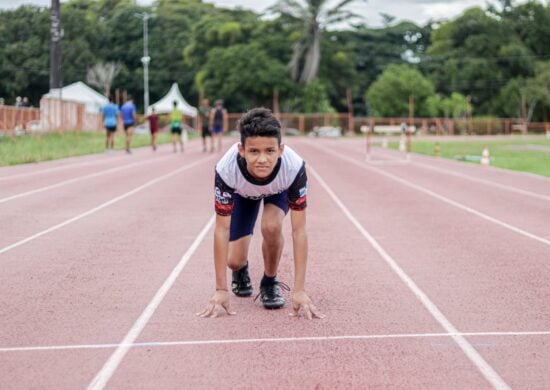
<point x="432" y="274"/>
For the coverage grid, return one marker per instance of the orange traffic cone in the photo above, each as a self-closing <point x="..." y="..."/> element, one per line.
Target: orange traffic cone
<point x="485" y="159"/>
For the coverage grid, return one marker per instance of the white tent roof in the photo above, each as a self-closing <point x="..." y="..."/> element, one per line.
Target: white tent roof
<point x="81" y="93"/>
<point x="166" y="104"/>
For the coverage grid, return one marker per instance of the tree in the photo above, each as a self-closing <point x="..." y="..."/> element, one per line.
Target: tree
<point x="533" y="92"/>
<point x="24" y="53"/>
<point x="102" y="75"/>
<point x="389" y="95"/>
<point x="247" y="77"/>
<point x="312" y="19"/>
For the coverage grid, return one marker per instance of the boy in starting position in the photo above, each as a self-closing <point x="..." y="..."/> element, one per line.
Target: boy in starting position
<point x="259" y="168"/>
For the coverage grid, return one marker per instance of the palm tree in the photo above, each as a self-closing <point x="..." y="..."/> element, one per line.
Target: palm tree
<point x="313" y="17"/>
<point x="102" y="75"/>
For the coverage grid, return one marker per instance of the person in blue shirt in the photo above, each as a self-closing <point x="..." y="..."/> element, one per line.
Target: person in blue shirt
<point x="110" y="120"/>
<point x="129" y="119"/>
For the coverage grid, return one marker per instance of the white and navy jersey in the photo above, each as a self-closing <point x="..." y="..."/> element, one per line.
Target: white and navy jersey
<point x="232" y="177"/>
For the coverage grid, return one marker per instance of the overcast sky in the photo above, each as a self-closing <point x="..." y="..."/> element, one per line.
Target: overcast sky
<point x="418" y="11"/>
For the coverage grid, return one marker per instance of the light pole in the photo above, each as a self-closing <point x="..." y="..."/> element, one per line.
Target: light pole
<point x="145" y="60"/>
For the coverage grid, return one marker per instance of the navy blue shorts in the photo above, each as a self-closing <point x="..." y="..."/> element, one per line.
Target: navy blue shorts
<point x="245" y="211"/>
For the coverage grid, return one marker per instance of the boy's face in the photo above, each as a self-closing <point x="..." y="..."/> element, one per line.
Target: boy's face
<point x="261" y="155"/>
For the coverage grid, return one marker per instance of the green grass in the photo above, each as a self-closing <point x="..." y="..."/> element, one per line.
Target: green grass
<point x="30" y="149"/>
<point x="502" y="152"/>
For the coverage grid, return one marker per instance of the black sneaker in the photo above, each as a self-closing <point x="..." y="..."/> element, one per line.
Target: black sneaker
<point x="241" y="285"/>
<point x="271" y="296"/>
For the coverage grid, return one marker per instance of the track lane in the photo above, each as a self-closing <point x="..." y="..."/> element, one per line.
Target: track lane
<point x="505" y="177"/>
<point x="25" y="217"/>
<point x="482" y="277"/>
<point x="526" y="213"/>
<point x="347" y="280"/>
<point x="93" y="289"/>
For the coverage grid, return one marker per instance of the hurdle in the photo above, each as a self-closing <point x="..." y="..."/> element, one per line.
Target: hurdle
<point x="404" y="132"/>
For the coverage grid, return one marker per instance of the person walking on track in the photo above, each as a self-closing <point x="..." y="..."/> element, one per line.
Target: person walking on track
<point x="203" y="124"/>
<point x="110" y="121"/>
<point x="218" y="123"/>
<point x="129" y="118"/>
<point x="176" y="124"/>
<point x="259" y="169"/>
<point x="154" y="127"/>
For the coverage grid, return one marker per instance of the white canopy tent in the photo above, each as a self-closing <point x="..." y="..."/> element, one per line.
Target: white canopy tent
<point x="166" y="104"/>
<point x="81" y="93"/>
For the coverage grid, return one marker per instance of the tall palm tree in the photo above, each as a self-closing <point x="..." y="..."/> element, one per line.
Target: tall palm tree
<point x="313" y="17"/>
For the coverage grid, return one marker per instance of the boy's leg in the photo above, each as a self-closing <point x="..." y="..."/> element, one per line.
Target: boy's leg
<point x="273" y="241"/>
<point x="275" y="209"/>
<point x="243" y="218"/>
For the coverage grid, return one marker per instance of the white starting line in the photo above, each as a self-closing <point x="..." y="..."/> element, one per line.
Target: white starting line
<point x="183" y="343"/>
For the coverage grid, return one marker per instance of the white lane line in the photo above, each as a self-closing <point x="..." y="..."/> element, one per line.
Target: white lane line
<point x="114" y="360"/>
<point x="156" y="344"/>
<point x="486" y="370"/>
<point x="104" y="205"/>
<point x="479" y="180"/>
<point x="437" y="196"/>
<point x="482" y="181"/>
<point x="77" y="179"/>
<point x="59" y="168"/>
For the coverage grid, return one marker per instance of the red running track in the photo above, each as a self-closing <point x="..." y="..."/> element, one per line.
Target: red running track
<point x="428" y="278"/>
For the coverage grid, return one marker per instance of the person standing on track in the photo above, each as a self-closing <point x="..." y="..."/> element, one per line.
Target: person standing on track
<point x="176" y="124"/>
<point x="154" y="127"/>
<point x="129" y="119"/>
<point x="257" y="169"/>
<point x="110" y="121"/>
<point x="218" y="123"/>
<point x="203" y="124"/>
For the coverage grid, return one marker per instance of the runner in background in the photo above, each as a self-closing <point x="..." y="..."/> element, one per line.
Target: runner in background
<point x="154" y="127"/>
<point x="110" y="120"/>
<point x="176" y="123"/>
<point x="203" y="124"/>
<point x="218" y="123"/>
<point x="129" y="118"/>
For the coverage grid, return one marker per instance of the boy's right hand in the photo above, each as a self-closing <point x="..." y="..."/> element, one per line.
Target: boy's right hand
<point x="220" y="300"/>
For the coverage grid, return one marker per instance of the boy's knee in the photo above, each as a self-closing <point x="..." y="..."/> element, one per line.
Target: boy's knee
<point x="235" y="263"/>
<point x="272" y="230"/>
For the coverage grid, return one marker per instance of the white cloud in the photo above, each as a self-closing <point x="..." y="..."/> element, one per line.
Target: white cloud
<point x="418" y="11"/>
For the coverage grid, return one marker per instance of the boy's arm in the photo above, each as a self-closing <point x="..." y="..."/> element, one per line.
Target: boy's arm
<point x="300" y="299"/>
<point x="221" y="247"/>
<point x="223" y="205"/>
<point x="220" y="299"/>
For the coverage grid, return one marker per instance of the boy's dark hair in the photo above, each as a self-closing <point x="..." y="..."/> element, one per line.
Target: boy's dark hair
<point x="259" y="122"/>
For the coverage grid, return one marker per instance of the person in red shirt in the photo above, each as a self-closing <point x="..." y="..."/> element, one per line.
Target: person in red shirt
<point x="154" y="126"/>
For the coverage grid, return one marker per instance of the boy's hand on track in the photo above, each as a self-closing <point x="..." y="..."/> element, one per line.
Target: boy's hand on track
<point x="300" y="300"/>
<point x="220" y="300"/>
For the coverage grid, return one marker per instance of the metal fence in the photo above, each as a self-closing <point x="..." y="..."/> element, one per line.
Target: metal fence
<point x="56" y="115"/>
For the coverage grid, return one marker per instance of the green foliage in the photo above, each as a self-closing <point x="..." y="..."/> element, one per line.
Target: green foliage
<point x="24" y="53"/>
<point x="35" y="148"/>
<point x="313" y="98"/>
<point x="243" y="75"/>
<point x="506" y="154"/>
<point x="495" y="55"/>
<point x="389" y="95"/>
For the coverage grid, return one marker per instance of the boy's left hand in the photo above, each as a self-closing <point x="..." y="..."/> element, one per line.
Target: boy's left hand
<point x="300" y="300"/>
